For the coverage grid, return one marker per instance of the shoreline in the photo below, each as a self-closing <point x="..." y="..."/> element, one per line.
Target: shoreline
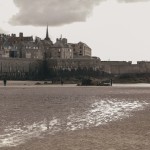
<point x="12" y="83"/>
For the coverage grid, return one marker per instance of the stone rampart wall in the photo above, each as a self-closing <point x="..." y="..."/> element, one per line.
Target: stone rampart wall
<point x="75" y="63"/>
<point x="8" y="65"/>
<point x="126" y="67"/>
<point x="14" y="65"/>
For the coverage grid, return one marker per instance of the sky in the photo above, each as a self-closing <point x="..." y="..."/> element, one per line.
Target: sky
<point x="116" y="30"/>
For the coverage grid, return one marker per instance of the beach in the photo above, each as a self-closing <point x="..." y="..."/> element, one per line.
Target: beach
<point x="70" y="117"/>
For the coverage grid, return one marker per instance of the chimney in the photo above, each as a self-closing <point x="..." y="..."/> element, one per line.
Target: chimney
<point x="21" y="34"/>
<point x="64" y="40"/>
<point x="13" y="35"/>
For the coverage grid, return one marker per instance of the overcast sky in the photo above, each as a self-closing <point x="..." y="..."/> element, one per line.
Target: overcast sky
<point x="114" y="29"/>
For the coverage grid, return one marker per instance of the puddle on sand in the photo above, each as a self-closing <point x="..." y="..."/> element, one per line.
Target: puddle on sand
<point x="16" y="135"/>
<point x="100" y="112"/>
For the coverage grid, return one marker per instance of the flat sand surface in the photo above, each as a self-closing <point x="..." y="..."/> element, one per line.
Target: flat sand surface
<point x="74" y="118"/>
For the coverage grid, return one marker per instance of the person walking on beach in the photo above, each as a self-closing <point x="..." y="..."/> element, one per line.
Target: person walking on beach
<point x="62" y="82"/>
<point x="5" y="81"/>
<point x="111" y="82"/>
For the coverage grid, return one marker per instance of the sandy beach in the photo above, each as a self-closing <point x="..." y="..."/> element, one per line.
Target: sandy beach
<point x="74" y="118"/>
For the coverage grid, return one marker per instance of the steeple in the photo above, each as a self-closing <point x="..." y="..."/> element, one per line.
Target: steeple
<point x="47" y="35"/>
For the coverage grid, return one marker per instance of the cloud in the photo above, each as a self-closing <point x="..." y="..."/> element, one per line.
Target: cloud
<point x="54" y="12"/>
<point x="132" y="1"/>
<point x="2" y="31"/>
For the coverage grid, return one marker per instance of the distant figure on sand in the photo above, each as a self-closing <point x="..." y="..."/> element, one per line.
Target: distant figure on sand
<point x="111" y="82"/>
<point x="62" y="82"/>
<point x="5" y="81"/>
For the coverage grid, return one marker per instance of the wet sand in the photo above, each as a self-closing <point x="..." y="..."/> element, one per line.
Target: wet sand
<point x="74" y="118"/>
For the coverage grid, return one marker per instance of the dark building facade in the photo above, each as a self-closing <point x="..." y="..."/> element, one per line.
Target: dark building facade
<point x="12" y="46"/>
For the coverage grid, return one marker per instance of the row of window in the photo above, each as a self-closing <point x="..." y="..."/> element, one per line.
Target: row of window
<point x="29" y="47"/>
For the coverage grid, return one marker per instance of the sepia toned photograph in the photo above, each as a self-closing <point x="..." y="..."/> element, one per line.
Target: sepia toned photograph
<point x="75" y="75"/>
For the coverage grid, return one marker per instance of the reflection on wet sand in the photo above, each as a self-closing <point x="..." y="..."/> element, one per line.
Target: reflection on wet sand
<point x="100" y="112"/>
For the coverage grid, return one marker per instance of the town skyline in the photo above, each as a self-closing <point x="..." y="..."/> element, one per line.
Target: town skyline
<point x="114" y="31"/>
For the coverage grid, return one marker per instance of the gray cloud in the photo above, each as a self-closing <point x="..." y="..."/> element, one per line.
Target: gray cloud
<point x="54" y="12"/>
<point x="2" y="31"/>
<point x="132" y="1"/>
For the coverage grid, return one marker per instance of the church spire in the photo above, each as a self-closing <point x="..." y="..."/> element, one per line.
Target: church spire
<point x="47" y="35"/>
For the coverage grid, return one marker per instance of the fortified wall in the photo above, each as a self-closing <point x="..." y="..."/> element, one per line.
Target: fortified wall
<point x="18" y="67"/>
<point x="123" y="67"/>
<point x="22" y="57"/>
<point x="68" y="64"/>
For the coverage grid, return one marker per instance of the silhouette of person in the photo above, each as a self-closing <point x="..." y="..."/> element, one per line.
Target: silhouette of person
<point x="111" y="82"/>
<point x="5" y="81"/>
<point x="62" y="82"/>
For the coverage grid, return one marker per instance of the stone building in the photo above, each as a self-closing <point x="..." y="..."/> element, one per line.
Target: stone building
<point x="8" y="49"/>
<point x="81" y="50"/>
<point x="61" y="49"/>
<point x="10" y="45"/>
<point x="32" y="50"/>
<point x="13" y="39"/>
<point x="47" y="44"/>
